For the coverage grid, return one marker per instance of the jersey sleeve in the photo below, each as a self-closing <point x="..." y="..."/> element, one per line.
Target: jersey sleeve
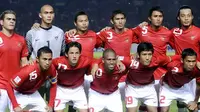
<point x="61" y="35"/>
<point x="98" y="41"/>
<point x="171" y="40"/>
<point x="53" y="80"/>
<point x="164" y="60"/>
<point x="135" y="37"/>
<point x="53" y="73"/>
<point x="24" y="52"/>
<point x="102" y="35"/>
<point x="19" y="78"/>
<point x="29" y="37"/>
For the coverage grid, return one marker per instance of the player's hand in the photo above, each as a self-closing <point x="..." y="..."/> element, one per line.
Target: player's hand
<point x="94" y="69"/>
<point x="31" y="61"/>
<point x="18" y="109"/>
<point x="120" y="66"/>
<point x="36" y="26"/>
<point x="49" y="109"/>
<point x="71" y="33"/>
<point x="143" y="24"/>
<point x="192" y="105"/>
<point x="106" y="28"/>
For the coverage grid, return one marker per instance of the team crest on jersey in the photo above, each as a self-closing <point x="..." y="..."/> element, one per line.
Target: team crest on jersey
<point x="163" y="38"/>
<point x="56" y="37"/>
<point x="192" y="37"/>
<point x="19" y="44"/>
<point x="1" y="40"/>
<point x="126" y="40"/>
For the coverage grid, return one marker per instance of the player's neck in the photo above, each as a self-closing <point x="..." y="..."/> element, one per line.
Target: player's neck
<point x="186" y="27"/>
<point x="117" y="30"/>
<point x="155" y="28"/>
<point x="108" y="71"/>
<point x="45" y="25"/>
<point x="81" y="32"/>
<point x="8" y="33"/>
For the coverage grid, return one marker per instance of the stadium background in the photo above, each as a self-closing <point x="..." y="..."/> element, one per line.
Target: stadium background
<point x="99" y="12"/>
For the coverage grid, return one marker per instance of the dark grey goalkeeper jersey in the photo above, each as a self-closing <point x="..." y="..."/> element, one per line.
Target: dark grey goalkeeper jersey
<point x="52" y="37"/>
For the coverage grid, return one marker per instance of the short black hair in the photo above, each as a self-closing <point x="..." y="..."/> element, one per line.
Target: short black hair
<point x="2" y="16"/>
<point x="188" y="52"/>
<point x="144" y="46"/>
<point x="184" y="7"/>
<point x="115" y="12"/>
<point x="107" y="51"/>
<point x="155" y="8"/>
<point x="73" y="44"/>
<point x="44" y="49"/>
<point x="78" y="14"/>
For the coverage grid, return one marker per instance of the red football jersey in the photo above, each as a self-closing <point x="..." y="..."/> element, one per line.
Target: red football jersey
<point x="30" y="78"/>
<point x="106" y="83"/>
<point x="12" y="49"/>
<point x="159" y="40"/>
<point x="142" y="75"/>
<point x="120" y="43"/>
<point x="88" y="40"/>
<point x="189" y="38"/>
<point x="176" y="77"/>
<point x="69" y="76"/>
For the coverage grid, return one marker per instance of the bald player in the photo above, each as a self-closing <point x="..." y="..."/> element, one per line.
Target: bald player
<point x="47" y="35"/>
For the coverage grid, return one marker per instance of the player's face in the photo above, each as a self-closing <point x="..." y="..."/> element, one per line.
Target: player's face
<point x="189" y="63"/>
<point x="156" y="18"/>
<point x="47" y="14"/>
<point x="82" y="23"/>
<point x="185" y="17"/>
<point x="9" y="22"/>
<point x="110" y="61"/>
<point x="45" y="60"/>
<point x="73" y="55"/>
<point x="119" y="21"/>
<point x="145" y="57"/>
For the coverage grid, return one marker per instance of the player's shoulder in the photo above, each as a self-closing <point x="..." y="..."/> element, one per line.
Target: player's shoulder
<point x="57" y="29"/>
<point x="59" y="59"/>
<point x="19" y="37"/>
<point x="29" y="68"/>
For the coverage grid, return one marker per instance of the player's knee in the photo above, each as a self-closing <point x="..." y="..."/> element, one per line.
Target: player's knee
<point x="164" y="109"/>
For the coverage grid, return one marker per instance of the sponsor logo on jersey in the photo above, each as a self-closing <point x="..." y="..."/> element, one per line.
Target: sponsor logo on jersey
<point x="19" y="44"/>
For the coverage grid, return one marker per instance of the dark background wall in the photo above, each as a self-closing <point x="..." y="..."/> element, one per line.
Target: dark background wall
<point x="99" y="11"/>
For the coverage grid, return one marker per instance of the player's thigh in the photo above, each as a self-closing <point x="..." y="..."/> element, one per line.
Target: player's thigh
<point x="122" y="86"/>
<point x="115" y="106"/>
<point x="79" y="98"/>
<point x="37" y="101"/>
<point x="96" y="101"/>
<point x="166" y="96"/>
<point x="151" y="98"/>
<point x="3" y="100"/>
<point x="87" y="80"/>
<point x="22" y="100"/>
<point x="191" y="86"/>
<point x="131" y="96"/>
<point x="63" y="95"/>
